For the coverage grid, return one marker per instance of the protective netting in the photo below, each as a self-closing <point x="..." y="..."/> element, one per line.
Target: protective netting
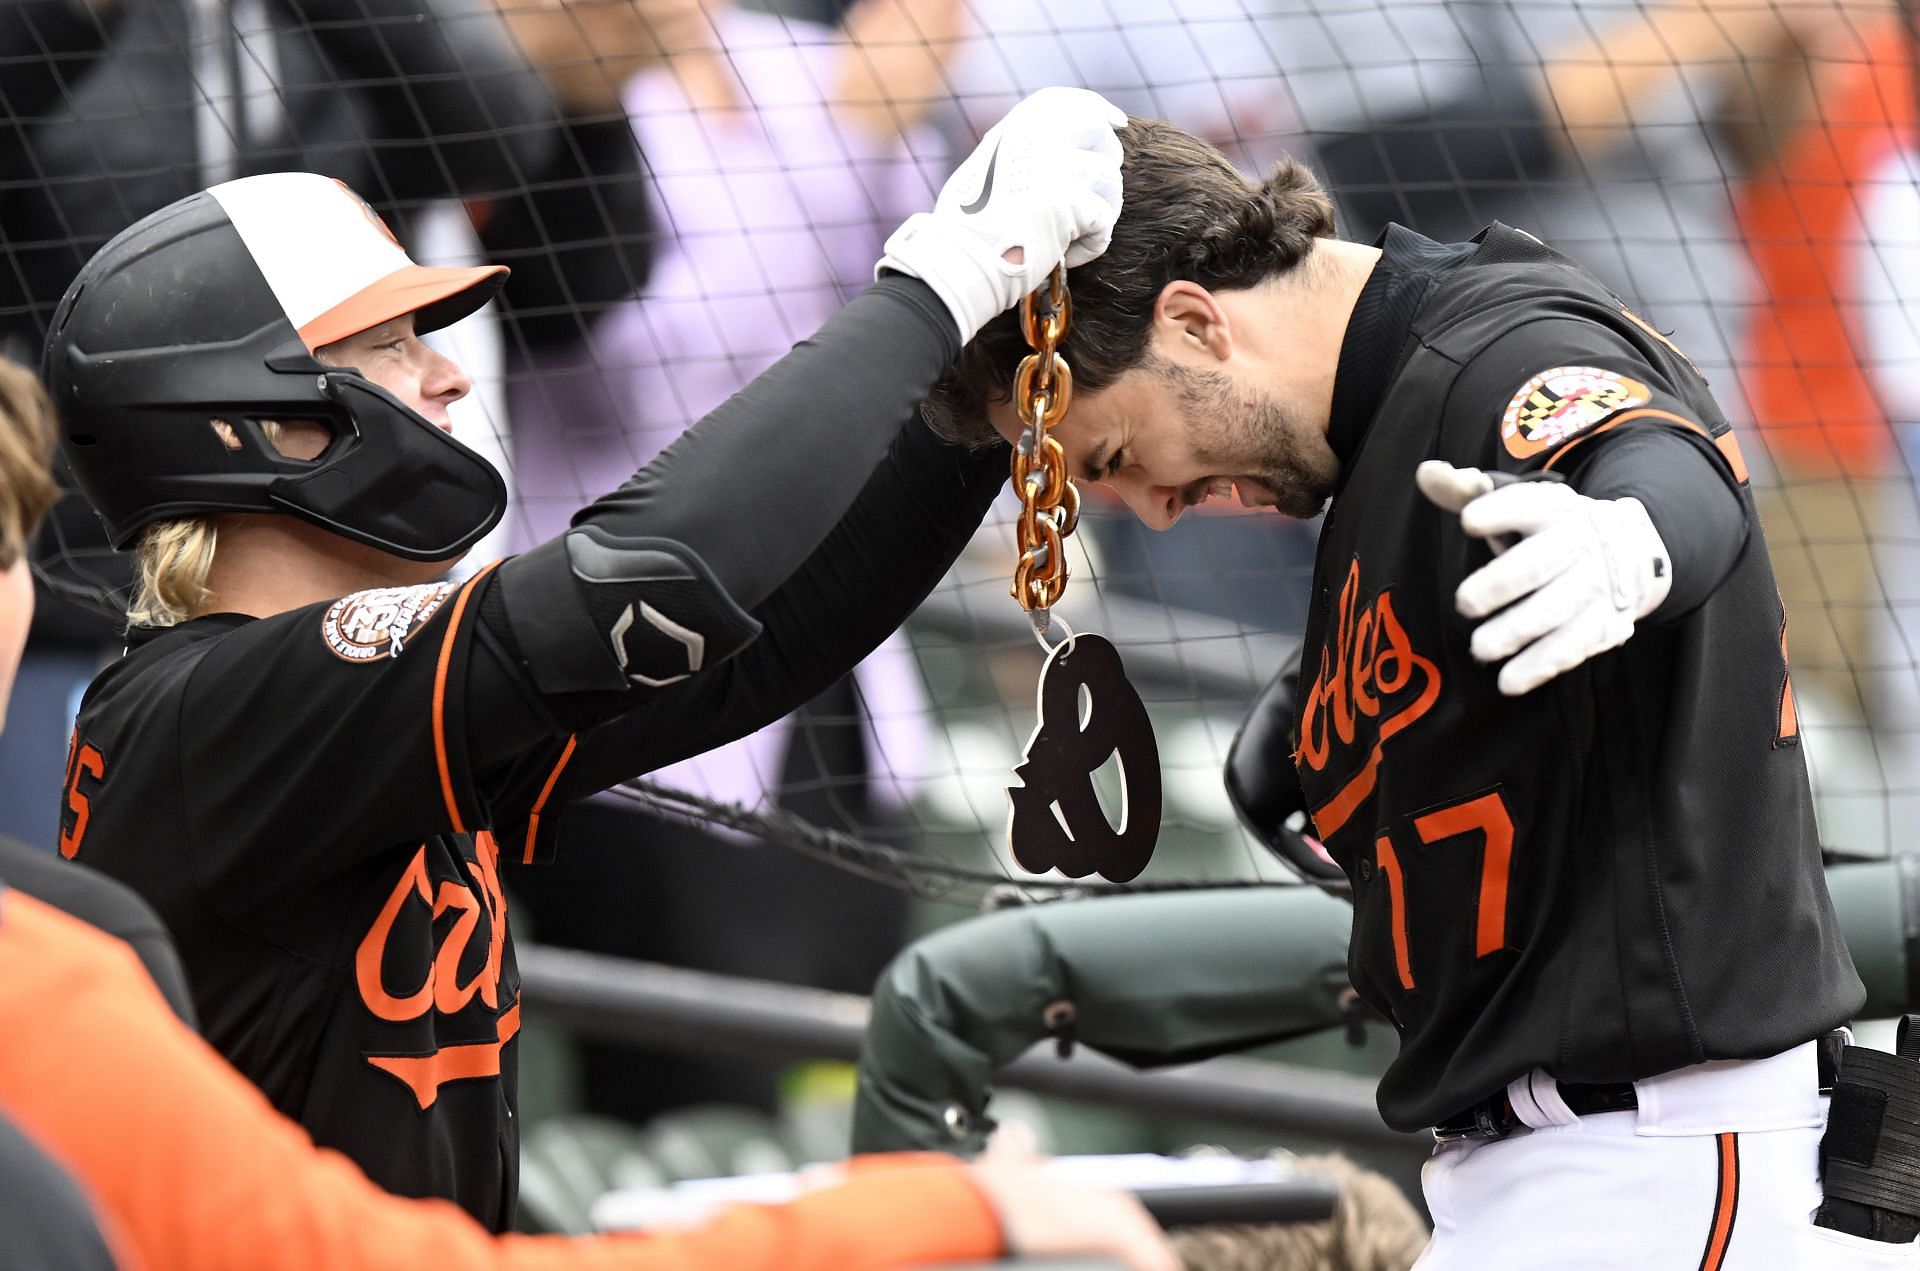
<point x="684" y="190"/>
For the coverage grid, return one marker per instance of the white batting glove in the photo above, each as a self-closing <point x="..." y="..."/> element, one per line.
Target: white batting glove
<point x="1045" y="179"/>
<point x="1582" y="572"/>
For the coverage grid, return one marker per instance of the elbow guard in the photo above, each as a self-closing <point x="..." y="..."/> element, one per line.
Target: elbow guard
<point x="590" y="612"/>
<point x="1264" y="786"/>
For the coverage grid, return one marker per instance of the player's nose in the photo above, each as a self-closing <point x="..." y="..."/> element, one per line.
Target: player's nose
<point x="445" y="381"/>
<point x="1157" y="506"/>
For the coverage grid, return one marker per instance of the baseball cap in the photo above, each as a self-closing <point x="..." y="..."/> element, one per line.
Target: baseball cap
<point x="335" y="267"/>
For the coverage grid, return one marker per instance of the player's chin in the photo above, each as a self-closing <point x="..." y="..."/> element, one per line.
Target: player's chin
<point x="1285" y="497"/>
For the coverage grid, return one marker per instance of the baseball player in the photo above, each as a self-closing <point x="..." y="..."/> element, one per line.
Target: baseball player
<point x="1546" y="728"/>
<point x="319" y="752"/>
<point x="181" y="1163"/>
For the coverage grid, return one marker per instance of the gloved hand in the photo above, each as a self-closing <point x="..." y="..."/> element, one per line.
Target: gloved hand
<point x="1043" y="185"/>
<point x="1582" y="572"/>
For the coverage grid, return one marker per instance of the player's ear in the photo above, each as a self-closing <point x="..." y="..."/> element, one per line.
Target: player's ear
<point x="1189" y="317"/>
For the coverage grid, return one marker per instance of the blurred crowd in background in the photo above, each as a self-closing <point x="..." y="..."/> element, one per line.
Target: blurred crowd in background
<point x="686" y="188"/>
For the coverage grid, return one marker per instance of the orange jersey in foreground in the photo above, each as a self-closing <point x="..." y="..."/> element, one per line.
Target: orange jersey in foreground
<point x="195" y="1170"/>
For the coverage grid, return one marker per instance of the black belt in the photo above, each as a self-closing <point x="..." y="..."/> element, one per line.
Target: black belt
<point x="1493" y="1117"/>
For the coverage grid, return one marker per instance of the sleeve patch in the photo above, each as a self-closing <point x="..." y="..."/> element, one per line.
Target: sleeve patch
<point x="370" y="625"/>
<point x="1562" y="403"/>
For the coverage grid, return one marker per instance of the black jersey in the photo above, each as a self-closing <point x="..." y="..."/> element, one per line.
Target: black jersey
<point x="319" y="855"/>
<point x="320" y="803"/>
<point x="1611" y="876"/>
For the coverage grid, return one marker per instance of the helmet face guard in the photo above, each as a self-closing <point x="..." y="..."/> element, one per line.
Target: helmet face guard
<point x="174" y="347"/>
<point x="399" y="483"/>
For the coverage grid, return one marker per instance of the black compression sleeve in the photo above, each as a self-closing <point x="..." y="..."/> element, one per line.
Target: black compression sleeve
<point x="918" y="510"/>
<point x="1690" y="495"/>
<point x="755" y="486"/>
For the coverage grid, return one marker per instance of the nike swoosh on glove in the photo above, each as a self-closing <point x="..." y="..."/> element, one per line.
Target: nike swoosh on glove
<point x="1582" y="572"/>
<point x="1044" y="180"/>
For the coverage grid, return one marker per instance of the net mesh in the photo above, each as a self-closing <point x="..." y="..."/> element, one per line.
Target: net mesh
<point x="685" y="189"/>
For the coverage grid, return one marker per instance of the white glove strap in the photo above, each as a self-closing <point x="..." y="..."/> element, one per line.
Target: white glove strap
<point x="958" y="266"/>
<point x="1638" y="566"/>
<point x="1044" y="180"/>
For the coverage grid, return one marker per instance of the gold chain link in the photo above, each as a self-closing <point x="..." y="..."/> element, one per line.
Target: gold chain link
<point x="1049" y="502"/>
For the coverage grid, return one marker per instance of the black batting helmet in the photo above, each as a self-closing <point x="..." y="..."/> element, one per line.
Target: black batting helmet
<point x="193" y="327"/>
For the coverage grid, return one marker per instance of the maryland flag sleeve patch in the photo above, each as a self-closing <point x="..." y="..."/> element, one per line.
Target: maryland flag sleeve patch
<point x="1557" y="405"/>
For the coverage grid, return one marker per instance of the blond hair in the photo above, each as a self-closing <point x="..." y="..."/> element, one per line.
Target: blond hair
<point x="26" y="449"/>
<point x="174" y="558"/>
<point x="1374" y="1228"/>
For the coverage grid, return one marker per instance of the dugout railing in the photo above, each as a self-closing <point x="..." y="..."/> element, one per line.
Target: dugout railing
<point x="700" y="1013"/>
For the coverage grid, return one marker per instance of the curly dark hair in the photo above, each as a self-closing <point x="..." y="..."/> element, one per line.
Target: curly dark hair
<point x="1187" y="213"/>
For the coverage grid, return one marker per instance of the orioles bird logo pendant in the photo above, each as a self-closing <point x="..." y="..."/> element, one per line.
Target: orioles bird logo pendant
<point x="1056" y="821"/>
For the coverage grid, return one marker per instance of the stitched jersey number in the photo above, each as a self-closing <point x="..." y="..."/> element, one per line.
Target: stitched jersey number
<point x="1483" y="818"/>
<point x="82" y="761"/>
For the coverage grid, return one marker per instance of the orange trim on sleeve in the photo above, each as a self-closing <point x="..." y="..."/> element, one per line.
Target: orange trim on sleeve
<point x="1729" y="447"/>
<point x="440" y="700"/>
<point x="1726" y="1204"/>
<point x="1789" y="729"/>
<point x="1627" y="417"/>
<point x="553" y="779"/>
